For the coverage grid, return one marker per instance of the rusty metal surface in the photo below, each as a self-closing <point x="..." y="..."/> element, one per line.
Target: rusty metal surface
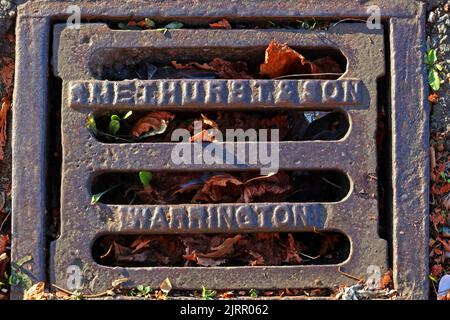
<point x="84" y="156"/>
<point x="77" y="51"/>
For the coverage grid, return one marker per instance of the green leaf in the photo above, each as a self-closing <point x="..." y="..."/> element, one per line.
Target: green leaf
<point x="145" y="177"/>
<point x="253" y="293"/>
<point x="150" y="23"/>
<point x="115" y="117"/>
<point x="433" y="80"/>
<point x="162" y="30"/>
<point x="431" y="57"/>
<point x="208" y="294"/>
<point x="174" y="25"/>
<point x="127" y="115"/>
<point x="24" y="260"/>
<point x="439" y="67"/>
<point x="96" y="197"/>
<point x="114" y="126"/>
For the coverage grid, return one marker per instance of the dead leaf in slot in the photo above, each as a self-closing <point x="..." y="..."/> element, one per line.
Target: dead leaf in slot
<point x="281" y="60"/>
<point x="221" y="24"/>
<point x="120" y="251"/>
<point x="151" y="121"/>
<point x="203" y="136"/>
<point x="267" y="188"/>
<point x="220" y="188"/>
<point x="191" y="256"/>
<point x="227" y="295"/>
<point x="6" y="104"/>
<point x="209" y="122"/>
<point x="7" y="73"/>
<point x="4" y="241"/>
<point x="223" y="250"/>
<point x="230" y="70"/>
<point x="140" y="243"/>
<point x="191" y="65"/>
<point x="292" y="254"/>
<point x="259" y="259"/>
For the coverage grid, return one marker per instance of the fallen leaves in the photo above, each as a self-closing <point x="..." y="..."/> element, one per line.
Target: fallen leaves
<point x="210" y="250"/>
<point x="156" y="121"/>
<point x="224" y="69"/>
<point x="281" y="60"/>
<point x="4" y="242"/>
<point x="221" y="24"/>
<point x="273" y="188"/>
<point x="440" y="206"/>
<point x="36" y="292"/>
<point x="219" y="188"/>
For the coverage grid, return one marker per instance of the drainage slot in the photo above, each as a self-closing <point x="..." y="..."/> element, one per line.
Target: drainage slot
<point x="159" y="126"/>
<point x="209" y="250"/>
<point x="215" y="63"/>
<point x="219" y="187"/>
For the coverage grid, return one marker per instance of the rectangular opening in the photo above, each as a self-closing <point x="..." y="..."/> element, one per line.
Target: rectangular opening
<point x="219" y="187"/>
<point x="212" y="126"/>
<point x="210" y="63"/>
<point x="209" y="250"/>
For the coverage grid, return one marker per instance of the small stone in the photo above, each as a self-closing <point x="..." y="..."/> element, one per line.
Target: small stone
<point x="431" y="17"/>
<point x="447" y="7"/>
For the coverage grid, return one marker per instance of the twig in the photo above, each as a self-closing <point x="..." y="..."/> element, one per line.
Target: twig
<point x="107" y="253"/>
<point x="88" y="296"/>
<point x="309" y="257"/>
<point x="348" y="19"/>
<point x="349" y="275"/>
<point x="334" y="185"/>
<point x="4" y="220"/>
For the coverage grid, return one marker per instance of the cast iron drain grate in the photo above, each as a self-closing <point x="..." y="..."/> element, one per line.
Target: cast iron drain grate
<point x="79" y="59"/>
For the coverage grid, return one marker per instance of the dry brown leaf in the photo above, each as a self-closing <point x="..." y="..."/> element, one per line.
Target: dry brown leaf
<point x="281" y="60"/>
<point x="6" y="104"/>
<point x="223" y="250"/>
<point x="267" y="188"/>
<point x="166" y="286"/>
<point x="7" y="73"/>
<point x="292" y="254"/>
<point x="433" y="98"/>
<point x="191" y="65"/>
<point x="36" y="292"/>
<point x="140" y="243"/>
<point x="221" y="24"/>
<point x="4" y="241"/>
<point x="386" y="280"/>
<point x="151" y="121"/>
<point x="220" y="188"/>
<point x="230" y="70"/>
<point x="436" y="270"/>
